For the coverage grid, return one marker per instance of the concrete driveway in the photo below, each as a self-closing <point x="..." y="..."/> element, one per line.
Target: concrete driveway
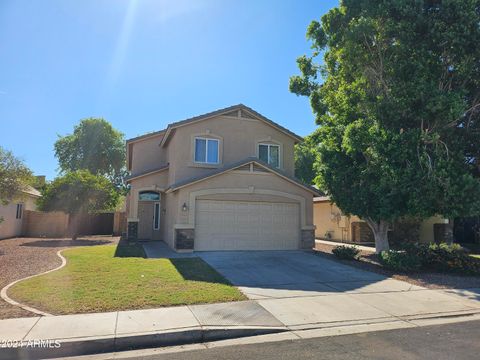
<point x="301" y="289"/>
<point x="285" y="274"/>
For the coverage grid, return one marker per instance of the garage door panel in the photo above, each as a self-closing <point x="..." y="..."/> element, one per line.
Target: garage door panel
<point x="241" y="225"/>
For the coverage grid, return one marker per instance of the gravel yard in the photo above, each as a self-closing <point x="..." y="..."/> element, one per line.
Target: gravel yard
<point x="22" y="257"/>
<point x="369" y="262"/>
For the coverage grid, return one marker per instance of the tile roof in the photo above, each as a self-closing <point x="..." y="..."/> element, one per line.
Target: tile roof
<point x="173" y="125"/>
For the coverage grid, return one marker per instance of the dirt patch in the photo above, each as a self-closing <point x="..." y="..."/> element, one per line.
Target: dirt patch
<point x="22" y="257"/>
<point x="368" y="261"/>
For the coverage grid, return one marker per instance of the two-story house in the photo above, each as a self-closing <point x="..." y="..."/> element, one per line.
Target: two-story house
<point x="219" y="181"/>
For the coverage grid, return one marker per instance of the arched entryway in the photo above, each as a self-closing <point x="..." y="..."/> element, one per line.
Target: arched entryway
<point x="149" y="212"/>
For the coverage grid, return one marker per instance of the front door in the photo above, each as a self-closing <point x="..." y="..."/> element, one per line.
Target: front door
<point x="145" y="217"/>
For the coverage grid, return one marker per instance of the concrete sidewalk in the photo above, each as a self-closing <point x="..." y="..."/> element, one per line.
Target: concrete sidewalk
<point x="336" y="243"/>
<point x="125" y="330"/>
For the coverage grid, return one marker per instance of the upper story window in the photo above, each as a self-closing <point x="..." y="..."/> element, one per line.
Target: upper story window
<point x="270" y="153"/>
<point x="206" y="150"/>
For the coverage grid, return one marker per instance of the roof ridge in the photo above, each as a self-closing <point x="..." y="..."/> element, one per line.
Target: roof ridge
<point x="240" y="106"/>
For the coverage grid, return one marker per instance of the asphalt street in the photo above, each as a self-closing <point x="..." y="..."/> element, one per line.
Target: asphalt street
<point x="449" y="341"/>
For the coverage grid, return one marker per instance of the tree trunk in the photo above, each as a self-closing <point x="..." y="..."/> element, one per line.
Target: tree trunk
<point x="380" y="233"/>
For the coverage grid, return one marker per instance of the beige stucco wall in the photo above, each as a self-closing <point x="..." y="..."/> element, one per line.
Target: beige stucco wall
<point x="327" y="217"/>
<point x="45" y="224"/>
<point x="252" y="185"/>
<point x="146" y="154"/>
<point x="157" y="181"/>
<point x="426" y="228"/>
<point x="12" y="227"/>
<point x="239" y="138"/>
<point x="322" y="215"/>
<point x="172" y="205"/>
<point x="241" y="186"/>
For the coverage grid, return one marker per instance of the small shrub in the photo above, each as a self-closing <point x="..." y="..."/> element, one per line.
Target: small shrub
<point x="444" y="258"/>
<point x="400" y="261"/>
<point x="346" y="252"/>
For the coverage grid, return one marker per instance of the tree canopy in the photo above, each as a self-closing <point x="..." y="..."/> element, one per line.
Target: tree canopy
<point x="14" y="176"/>
<point x="397" y="99"/>
<point x="79" y="192"/>
<point x="305" y="154"/>
<point x="94" y="146"/>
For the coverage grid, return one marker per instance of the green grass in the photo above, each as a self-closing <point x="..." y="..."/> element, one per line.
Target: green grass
<point x="130" y="250"/>
<point x="96" y="279"/>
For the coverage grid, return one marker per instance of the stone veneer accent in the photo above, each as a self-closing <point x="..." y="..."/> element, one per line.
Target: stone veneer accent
<point x="132" y="230"/>
<point x="184" y="239"/>
<point x="308" y="239"/>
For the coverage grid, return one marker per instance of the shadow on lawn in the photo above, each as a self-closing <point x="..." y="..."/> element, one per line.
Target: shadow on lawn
<point x="125" y="249"/>
<point x="65" y="243"/>
<point x="195" y="269"/>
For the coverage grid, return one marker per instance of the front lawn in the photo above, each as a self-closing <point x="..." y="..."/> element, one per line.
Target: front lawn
<point x="102" y="278"/>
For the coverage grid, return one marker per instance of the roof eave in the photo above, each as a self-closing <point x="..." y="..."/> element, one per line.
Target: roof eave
<point x="145" y="136"/>
<point x="220" y="112"/>
<point x="128" y="179"/>
<point x="165" y="136"/>
<point x="287" y="178"/>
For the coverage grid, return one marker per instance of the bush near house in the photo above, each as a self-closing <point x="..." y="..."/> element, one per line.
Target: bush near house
<point x="435" y="257"/>
<point x="400" y="260"/>
<point x="445" y="257"/>
<point x="346" y="252"/>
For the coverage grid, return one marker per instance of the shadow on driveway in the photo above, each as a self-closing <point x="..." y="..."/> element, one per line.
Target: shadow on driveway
<point x="265" y="274"/>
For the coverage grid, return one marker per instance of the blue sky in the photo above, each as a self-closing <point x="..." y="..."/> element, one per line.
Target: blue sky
<point x="142" y="64"/>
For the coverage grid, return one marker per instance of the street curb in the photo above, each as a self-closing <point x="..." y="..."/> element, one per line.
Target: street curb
<point x="4" y="296"/>
<point x="89" y="346"/>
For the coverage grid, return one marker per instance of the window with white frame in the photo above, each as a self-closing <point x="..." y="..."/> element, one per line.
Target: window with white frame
<point x="206" y="150"/>
<point x="270" y="153"/>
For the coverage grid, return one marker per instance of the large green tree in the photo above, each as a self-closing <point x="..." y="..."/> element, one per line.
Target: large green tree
<point x="397" y="98"/>
<point x="14" y="176"/>
<point x="305" y="155"/>
<point x="94" y="146"/>
<point x="79" y="192"/>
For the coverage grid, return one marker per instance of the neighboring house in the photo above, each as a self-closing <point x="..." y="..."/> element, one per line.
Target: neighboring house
<point x="219" y="181"/>
<point x="332" y="224"/>
<point x="13" y="213"/>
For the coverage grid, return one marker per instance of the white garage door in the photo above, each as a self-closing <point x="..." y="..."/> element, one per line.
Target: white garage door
<point x="240" y="225"/>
